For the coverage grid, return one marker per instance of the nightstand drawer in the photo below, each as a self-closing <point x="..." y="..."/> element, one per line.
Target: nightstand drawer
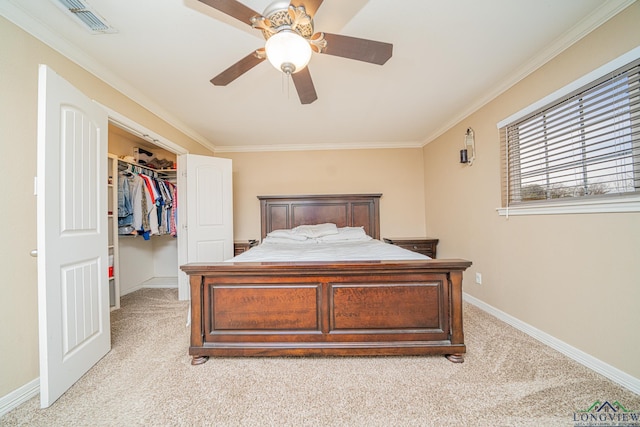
<point x="421" y="248"/>
<point x="243" y="245"/>
<point x="424" y="246"/>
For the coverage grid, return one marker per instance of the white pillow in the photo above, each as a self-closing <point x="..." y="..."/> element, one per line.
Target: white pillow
<point x="316" y="230"/>
<point x="347" y="234"/>
<point x="287" y="234"/>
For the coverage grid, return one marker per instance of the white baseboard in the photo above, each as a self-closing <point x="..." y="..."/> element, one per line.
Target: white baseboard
<point x="31" y="389"/>
<point x="154" y="282"/>
<point x="124" y="292"/>
<point x="19" y="396"/>
<point x="597" y="365"/>
<point x="160" y="282"/>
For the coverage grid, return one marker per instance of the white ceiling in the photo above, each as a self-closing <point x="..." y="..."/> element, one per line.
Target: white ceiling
<point x="449" y="58"/>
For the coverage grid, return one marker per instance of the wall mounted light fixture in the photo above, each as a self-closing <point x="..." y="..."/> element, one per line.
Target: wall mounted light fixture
<point x="468" y="153"/>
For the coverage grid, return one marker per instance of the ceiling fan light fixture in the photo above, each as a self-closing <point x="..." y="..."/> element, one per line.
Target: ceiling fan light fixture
<point x="288" y="51"/>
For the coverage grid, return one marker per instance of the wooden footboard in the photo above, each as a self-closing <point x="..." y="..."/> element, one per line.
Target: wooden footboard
<point x="321" y="308"/>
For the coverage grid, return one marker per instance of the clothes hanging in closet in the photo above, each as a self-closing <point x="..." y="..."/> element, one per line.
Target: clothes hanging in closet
<point x="147" y="205"/>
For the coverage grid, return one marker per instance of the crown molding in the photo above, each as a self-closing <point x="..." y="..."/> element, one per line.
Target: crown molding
<point x="317" y="147"/>
<point x="41" y="32"/>
<point x="606" y="11"/>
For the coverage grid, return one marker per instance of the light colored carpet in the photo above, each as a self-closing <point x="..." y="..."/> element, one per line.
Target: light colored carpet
<point x="507" y="379"/>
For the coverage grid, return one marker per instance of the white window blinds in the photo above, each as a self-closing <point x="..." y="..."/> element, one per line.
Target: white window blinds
<point x="586" y="144"/>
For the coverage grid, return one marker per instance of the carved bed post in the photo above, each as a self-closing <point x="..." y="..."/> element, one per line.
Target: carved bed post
<point x="455" y="307"/>
<point x="197" y="283"/>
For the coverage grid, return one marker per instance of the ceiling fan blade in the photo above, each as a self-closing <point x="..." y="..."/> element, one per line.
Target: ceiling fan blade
<point x="358" y="49"/>
<point x="304" y="86"/>
<point x="233" y="8"/>
<point x="310" y="6"/>
<point x="239" y="68"/>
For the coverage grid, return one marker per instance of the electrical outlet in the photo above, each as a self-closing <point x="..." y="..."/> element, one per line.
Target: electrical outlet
<point x="479" y="278"/>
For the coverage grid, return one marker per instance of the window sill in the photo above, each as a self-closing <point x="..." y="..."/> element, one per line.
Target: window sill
<point x="618" y="204"/>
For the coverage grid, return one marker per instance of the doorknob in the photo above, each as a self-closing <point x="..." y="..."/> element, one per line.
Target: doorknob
<point x="34" y="253"/>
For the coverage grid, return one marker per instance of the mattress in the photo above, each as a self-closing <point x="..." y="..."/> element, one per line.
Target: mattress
<point x="370" y="250"/>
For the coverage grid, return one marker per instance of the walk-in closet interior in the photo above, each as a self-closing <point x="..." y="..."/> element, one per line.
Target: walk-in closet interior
<point x="138" y="260"/>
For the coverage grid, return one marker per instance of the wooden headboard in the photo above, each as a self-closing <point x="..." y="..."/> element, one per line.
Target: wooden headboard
<point x="344" y="210"/>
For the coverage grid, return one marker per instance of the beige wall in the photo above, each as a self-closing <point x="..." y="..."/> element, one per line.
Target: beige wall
<point x="20" y="55"/>
<point x="574" y="277"/>
<point x="396" y="173"/>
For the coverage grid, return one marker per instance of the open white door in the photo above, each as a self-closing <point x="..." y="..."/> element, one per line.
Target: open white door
<point x="208" y="201"/>
<point x="73" y="292"/>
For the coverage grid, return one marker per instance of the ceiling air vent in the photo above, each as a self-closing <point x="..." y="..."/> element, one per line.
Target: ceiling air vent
<point x="87" y="15"/>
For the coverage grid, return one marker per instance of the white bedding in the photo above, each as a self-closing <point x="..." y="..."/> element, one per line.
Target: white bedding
<point x="326" y="251"/>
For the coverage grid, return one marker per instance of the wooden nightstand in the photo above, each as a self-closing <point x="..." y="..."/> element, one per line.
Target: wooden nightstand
<point x="422" y="245"/>
<point x="240" y="246"/>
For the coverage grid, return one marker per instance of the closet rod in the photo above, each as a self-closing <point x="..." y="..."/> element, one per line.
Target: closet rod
<point x="124" y="165"/>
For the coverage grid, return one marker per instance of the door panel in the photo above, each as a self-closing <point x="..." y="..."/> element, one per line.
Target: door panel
<point x="205" y="203"/>
<point x="209" y="209"/>
<point x="78" y="172"/>
<point x="80" y="307"/>
<point x="73" y="291"/>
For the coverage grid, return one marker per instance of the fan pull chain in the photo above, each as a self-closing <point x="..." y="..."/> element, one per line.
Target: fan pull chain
<point x="286" y="76"/>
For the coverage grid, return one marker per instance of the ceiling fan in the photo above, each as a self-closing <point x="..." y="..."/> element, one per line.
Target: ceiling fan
<point x="288" y="30"/>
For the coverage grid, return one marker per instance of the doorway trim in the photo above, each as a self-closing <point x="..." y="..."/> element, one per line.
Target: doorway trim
<point x="138" y="130"/>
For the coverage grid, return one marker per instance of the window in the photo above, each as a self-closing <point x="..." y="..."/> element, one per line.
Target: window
<point x="581" y="147"/>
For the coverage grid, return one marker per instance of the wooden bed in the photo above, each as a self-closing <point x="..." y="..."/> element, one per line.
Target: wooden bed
<point x="326" y="308"/>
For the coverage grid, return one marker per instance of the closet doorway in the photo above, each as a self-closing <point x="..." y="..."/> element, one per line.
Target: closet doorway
<point x="150" y="261"/>
<point x="205" y="203"/>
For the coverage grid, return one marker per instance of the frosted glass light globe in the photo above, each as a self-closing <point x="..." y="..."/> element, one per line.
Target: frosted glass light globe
<point x="288" y="51"/>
